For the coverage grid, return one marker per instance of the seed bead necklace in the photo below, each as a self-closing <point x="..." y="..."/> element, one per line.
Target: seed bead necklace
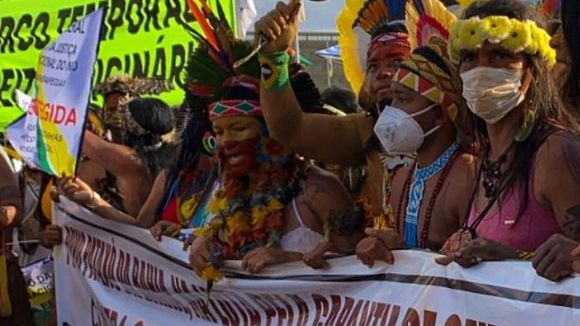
<point x="404" y="199"/>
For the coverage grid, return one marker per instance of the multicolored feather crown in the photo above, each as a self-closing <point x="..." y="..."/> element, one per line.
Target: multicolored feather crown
<point x="361" y="22"/>
<point x="429" y="71"/>
<point x="210" y="72"/>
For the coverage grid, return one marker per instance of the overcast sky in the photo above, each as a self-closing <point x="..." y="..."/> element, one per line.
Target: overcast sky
<point x="320" y="16"/>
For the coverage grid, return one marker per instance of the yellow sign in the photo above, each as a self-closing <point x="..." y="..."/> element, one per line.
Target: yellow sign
<point x="141" y="38"/>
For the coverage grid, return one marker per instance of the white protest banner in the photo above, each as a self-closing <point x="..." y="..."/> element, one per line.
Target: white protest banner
<point x="60" y="98"/>
<point x="113" y="274"/>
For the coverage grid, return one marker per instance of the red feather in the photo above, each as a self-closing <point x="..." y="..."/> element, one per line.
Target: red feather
<point x="200" y="17"/>
<point x="427" y="27"/>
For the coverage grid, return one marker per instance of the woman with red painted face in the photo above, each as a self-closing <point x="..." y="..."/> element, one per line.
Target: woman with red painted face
<point x="270" y="205"/>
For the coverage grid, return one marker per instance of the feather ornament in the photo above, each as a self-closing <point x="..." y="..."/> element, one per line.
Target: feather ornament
<point x="358" y="20"/>
<point x="211" y="64"/>
<point x="428" y="20"/>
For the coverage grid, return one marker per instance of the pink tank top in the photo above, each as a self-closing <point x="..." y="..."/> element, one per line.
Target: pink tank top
<point x="533" y="227"/>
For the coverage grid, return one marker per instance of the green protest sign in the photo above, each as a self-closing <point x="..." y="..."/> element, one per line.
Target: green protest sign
<point x="141" y="38"/>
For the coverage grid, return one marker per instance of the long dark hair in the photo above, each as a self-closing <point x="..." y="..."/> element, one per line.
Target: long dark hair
<point x="542" y="96"/>
<point x="571" y="29"/>
<point x="197" y="124"/>
<point x="156" y="118"/>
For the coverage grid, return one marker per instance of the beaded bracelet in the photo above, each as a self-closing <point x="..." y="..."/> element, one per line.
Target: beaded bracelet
<point x="525" y="255"/>
<point x="274" y="69"/>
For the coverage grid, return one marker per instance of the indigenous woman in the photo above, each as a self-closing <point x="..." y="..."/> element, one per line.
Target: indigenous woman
<point x="192" y="181"/>
<point x="269" y="205"/>
<point x="528" y="179"/>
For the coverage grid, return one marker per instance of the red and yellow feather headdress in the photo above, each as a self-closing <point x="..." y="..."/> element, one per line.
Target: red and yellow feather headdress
<point x="429" y="71"/>
<point x="357" y="23"/>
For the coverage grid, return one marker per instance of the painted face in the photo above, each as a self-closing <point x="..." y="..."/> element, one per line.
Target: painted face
<point x="411" y="102"/>
<point x="113" y="118"/>
<point x="381" y="65"/>
<point x="237" y="140"/>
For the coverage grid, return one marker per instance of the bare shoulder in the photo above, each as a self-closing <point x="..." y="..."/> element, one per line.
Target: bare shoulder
<point x="323" y="185"/>
<point x="557" y="164"/>
<point x="320" y="178"/>
<point x="560" y="150"/>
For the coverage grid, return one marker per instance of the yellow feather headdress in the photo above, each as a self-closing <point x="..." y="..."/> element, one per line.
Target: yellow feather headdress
<point x="358" y="20"/>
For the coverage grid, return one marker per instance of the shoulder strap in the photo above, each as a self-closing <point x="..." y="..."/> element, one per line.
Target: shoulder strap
<point x="296" y="212"/>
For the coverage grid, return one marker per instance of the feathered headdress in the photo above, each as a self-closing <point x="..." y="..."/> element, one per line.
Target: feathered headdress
<point x="212" y="63"/>
<point x="428" y="23"/>
<point x="429" y="71"/>
<point x="211" y="71"/>
<point x="358" y="23"/>
<point x="132" y="86"/>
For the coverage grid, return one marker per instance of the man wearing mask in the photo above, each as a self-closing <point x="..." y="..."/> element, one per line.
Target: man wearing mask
<point x="346" y="140"/>
<point x="429" y="197"/>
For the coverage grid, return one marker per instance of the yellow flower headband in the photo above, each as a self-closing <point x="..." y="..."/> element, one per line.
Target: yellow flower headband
<point x="512" y="34"/>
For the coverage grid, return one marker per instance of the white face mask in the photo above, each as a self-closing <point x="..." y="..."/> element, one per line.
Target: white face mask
<point x="399" y="133"/>
<point x="492" y="93"/>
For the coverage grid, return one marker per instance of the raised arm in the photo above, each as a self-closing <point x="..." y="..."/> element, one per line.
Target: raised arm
<point x="329" y="139"/>
<point x="117" y="159"/>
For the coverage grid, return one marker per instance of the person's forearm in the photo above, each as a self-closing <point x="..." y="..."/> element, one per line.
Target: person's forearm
<point x="290" y="256"/>
<point x="279" y="104"/>
<point x="325" y="138"/>
<point x="109" y="212"/>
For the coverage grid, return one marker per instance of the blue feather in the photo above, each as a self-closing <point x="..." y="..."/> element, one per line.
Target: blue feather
<point x="396" y="9"/>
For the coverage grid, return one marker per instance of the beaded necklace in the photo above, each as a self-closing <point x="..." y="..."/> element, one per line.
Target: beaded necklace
<point x="413" y="193"/>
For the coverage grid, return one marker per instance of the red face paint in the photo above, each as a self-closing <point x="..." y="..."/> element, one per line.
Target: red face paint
<point x="384" y="54"/>
<point x="239" y="156"/>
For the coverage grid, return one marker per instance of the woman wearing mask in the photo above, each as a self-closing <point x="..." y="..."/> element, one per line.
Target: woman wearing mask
<point x="528" y="179"/>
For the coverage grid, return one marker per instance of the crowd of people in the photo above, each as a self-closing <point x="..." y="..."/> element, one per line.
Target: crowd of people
<point x="464" y="140"/>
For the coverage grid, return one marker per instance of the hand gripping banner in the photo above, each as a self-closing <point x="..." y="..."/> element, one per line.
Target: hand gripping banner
<point x="113" y="274"/>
